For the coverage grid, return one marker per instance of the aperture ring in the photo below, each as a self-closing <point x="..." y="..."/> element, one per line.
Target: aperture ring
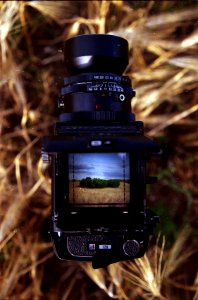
<point x="97" y="77"/>
<point x="88" y="88"/>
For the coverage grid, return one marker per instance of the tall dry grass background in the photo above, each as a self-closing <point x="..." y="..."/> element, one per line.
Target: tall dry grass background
<point x="163" y="39"/>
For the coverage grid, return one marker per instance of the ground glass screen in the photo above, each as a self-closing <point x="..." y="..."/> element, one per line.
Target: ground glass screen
<point x="99" y="178"/>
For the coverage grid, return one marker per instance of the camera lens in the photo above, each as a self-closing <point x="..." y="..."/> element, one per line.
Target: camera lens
<point x="96" y="53"/>
<point x="95" y="89"/>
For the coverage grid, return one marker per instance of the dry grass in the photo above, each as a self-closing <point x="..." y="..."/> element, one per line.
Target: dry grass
<point x="163" y="65"/>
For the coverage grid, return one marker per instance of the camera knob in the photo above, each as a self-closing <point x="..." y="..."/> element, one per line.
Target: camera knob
<point x="131" y="247"/>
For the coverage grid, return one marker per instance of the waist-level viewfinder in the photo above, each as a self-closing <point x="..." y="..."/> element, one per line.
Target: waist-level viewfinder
<point x="98" y="154"/>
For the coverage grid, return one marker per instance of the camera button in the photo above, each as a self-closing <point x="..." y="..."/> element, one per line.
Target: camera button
<point x="92" y="247"/>
<point x="96" y="143"/>
<point x="131" y="247"/>
<point x="122" y="97"/>
<point x="105" y="247"/>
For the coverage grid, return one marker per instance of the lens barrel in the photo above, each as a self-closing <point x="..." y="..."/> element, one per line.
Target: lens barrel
<point x="95" y="89"/>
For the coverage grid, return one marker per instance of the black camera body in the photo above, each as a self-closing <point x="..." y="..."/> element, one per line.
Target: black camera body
<point x="98" y="154"/>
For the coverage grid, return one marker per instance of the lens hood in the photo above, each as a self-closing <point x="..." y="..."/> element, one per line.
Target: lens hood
<point x="96" y="53"/>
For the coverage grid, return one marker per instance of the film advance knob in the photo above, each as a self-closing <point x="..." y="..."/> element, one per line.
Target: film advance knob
<point x="131" y="247"/>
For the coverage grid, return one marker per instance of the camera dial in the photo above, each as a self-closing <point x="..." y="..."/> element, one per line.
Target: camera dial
<point x="131" y="248"/>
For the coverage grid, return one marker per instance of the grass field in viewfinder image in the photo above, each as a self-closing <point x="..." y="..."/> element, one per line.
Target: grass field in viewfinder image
<point x="98" y="195"/>
<point x="99" y="165"/>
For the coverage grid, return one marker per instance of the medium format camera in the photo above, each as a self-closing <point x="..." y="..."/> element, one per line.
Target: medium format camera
<point x="98" y="155"/>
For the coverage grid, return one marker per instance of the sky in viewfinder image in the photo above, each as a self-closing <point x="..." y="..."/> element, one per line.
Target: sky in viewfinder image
<point x="99" y="165"/>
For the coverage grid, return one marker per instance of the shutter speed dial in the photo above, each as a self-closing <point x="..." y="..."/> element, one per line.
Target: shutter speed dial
<point x="131" y="247"/>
